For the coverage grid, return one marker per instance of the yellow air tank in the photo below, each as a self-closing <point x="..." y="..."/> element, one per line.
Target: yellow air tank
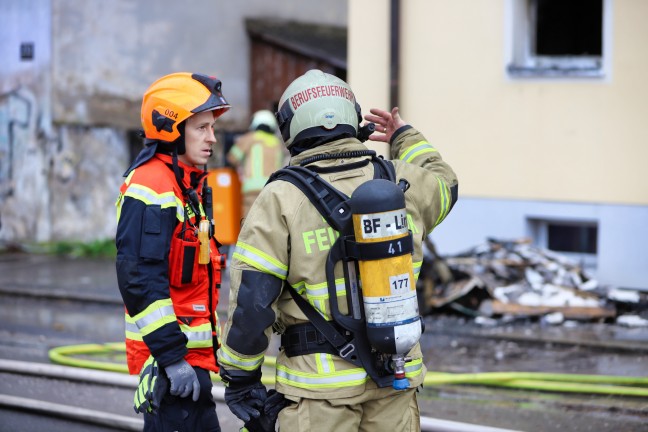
<point x="385" y="265"/>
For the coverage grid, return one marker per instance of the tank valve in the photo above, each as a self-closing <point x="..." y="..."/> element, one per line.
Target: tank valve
<point x="400" y="382"/>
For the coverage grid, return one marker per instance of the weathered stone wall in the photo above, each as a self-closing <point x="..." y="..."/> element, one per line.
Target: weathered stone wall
<point x="66" y="111"/>
<point x="56" y="183"/>
<point x="86" y="172"/>
<point x="24" y="147"/>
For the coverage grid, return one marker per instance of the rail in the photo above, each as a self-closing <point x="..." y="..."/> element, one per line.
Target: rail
<point x="110" y="420"/>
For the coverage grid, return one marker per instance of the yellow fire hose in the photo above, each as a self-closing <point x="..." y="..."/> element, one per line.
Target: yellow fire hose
<point x="541" y="381"/>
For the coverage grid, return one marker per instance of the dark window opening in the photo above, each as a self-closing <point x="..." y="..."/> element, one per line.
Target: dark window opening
<point x="135" y="143"/>
<point x="27" y="51"/>
<point x="569" y="28"/>
<point x="572" y="238"/>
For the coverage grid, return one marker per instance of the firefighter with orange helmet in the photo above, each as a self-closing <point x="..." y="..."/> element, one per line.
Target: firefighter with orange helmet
<point x="348" y="361"/>
<point x="168" y="262"/>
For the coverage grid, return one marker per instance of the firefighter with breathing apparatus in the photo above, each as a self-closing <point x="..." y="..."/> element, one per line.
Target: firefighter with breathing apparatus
<point x="328" y="257"/>
<point x="168" y="263"/>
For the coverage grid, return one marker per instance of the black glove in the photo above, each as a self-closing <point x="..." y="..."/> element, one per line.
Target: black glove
<point x="153" y="385"/>
<point x="245" y="397"/>
<point x="266" y="422"/>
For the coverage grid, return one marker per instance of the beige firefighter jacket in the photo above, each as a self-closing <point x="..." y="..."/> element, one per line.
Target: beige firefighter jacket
<point x="285" y="236"/>
<point x="256" y="155"/>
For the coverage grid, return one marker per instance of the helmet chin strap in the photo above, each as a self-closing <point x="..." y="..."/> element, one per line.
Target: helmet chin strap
<point x="190" y="193"/>
<point x="179" y="143"/>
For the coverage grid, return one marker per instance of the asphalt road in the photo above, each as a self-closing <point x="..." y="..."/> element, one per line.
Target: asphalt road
<point x="47" y="302"/>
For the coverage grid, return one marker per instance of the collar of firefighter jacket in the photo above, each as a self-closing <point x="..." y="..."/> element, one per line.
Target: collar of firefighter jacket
<point x="189" y="173"/>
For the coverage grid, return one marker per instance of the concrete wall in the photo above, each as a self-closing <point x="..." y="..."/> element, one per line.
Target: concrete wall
<point x="26" y="139"/>
<point x="107" y="52"/>
<point x="65" y="114"/>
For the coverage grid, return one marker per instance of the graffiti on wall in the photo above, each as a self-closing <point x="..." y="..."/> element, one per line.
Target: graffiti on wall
<point x="56" y="182"/>
<point x="16" y="110"/>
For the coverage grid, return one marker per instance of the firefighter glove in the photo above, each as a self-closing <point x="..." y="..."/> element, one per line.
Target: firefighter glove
<point x="183" y="379"/>
<point x="246" y="399"/>
<point x="266" y="421"/>
<point x="153" y="385"/>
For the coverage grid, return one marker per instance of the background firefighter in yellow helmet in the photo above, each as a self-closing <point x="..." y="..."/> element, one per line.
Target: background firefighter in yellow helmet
<point x="282" y="252"/>
<point x="256" y="155"/>
<point x="168" y="263"/>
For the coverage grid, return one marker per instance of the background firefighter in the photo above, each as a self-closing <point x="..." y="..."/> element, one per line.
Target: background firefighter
<point x="285" y="240"/>
<point x="168" y="263"/>
<point x="256" y="155"/>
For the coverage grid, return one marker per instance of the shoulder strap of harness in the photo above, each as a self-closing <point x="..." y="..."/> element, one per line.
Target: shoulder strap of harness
<point x="330" y="202"/>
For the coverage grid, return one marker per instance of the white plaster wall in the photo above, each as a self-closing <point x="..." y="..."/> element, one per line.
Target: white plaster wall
<point x="368" y="57"/>
<point x="622" y="231"/>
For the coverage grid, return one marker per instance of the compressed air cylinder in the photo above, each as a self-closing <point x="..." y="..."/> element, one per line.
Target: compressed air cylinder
<point x="387" y="281"/>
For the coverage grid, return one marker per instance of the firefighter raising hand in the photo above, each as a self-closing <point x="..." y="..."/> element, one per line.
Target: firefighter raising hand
<point x="287" y="254"/>
<point x="386" y="123"/>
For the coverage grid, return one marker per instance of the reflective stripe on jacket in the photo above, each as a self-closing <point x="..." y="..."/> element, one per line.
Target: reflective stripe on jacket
<point x="170" y="304"/>
<point x="285" y="236"/>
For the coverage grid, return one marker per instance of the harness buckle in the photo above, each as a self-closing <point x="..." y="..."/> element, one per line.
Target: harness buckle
<point x="347" y="350"/>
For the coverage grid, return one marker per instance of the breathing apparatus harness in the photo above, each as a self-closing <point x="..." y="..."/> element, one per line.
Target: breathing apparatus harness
<point x="347" y="335"/>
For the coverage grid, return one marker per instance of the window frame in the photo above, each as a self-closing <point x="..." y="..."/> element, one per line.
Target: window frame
<point x="523" y="63"/>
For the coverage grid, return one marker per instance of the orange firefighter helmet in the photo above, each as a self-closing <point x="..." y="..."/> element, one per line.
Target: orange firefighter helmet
<point x="174" y="98"/>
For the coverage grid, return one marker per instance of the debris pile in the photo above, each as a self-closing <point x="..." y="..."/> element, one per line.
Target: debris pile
<point x="514" y="278"/>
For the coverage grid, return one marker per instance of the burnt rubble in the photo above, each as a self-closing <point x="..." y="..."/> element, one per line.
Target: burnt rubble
<point x="513" y="278"/>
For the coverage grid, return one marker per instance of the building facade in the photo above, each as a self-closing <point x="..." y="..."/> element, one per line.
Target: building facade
<point x="539" y="106"/>
<point x="72" y="77"/>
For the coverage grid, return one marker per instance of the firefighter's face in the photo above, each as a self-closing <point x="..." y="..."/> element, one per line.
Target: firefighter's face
<point x="199" y="139"/>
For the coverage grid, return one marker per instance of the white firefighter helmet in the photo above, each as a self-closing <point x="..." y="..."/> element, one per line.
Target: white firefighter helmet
<point x="265" y="120"/>
<point x="317" y="104"/>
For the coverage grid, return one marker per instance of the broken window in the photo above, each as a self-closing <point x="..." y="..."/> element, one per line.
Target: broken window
<point x="571" y="238"/>
<point x="576" y="240"/>
<point x="558" y="38"/>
